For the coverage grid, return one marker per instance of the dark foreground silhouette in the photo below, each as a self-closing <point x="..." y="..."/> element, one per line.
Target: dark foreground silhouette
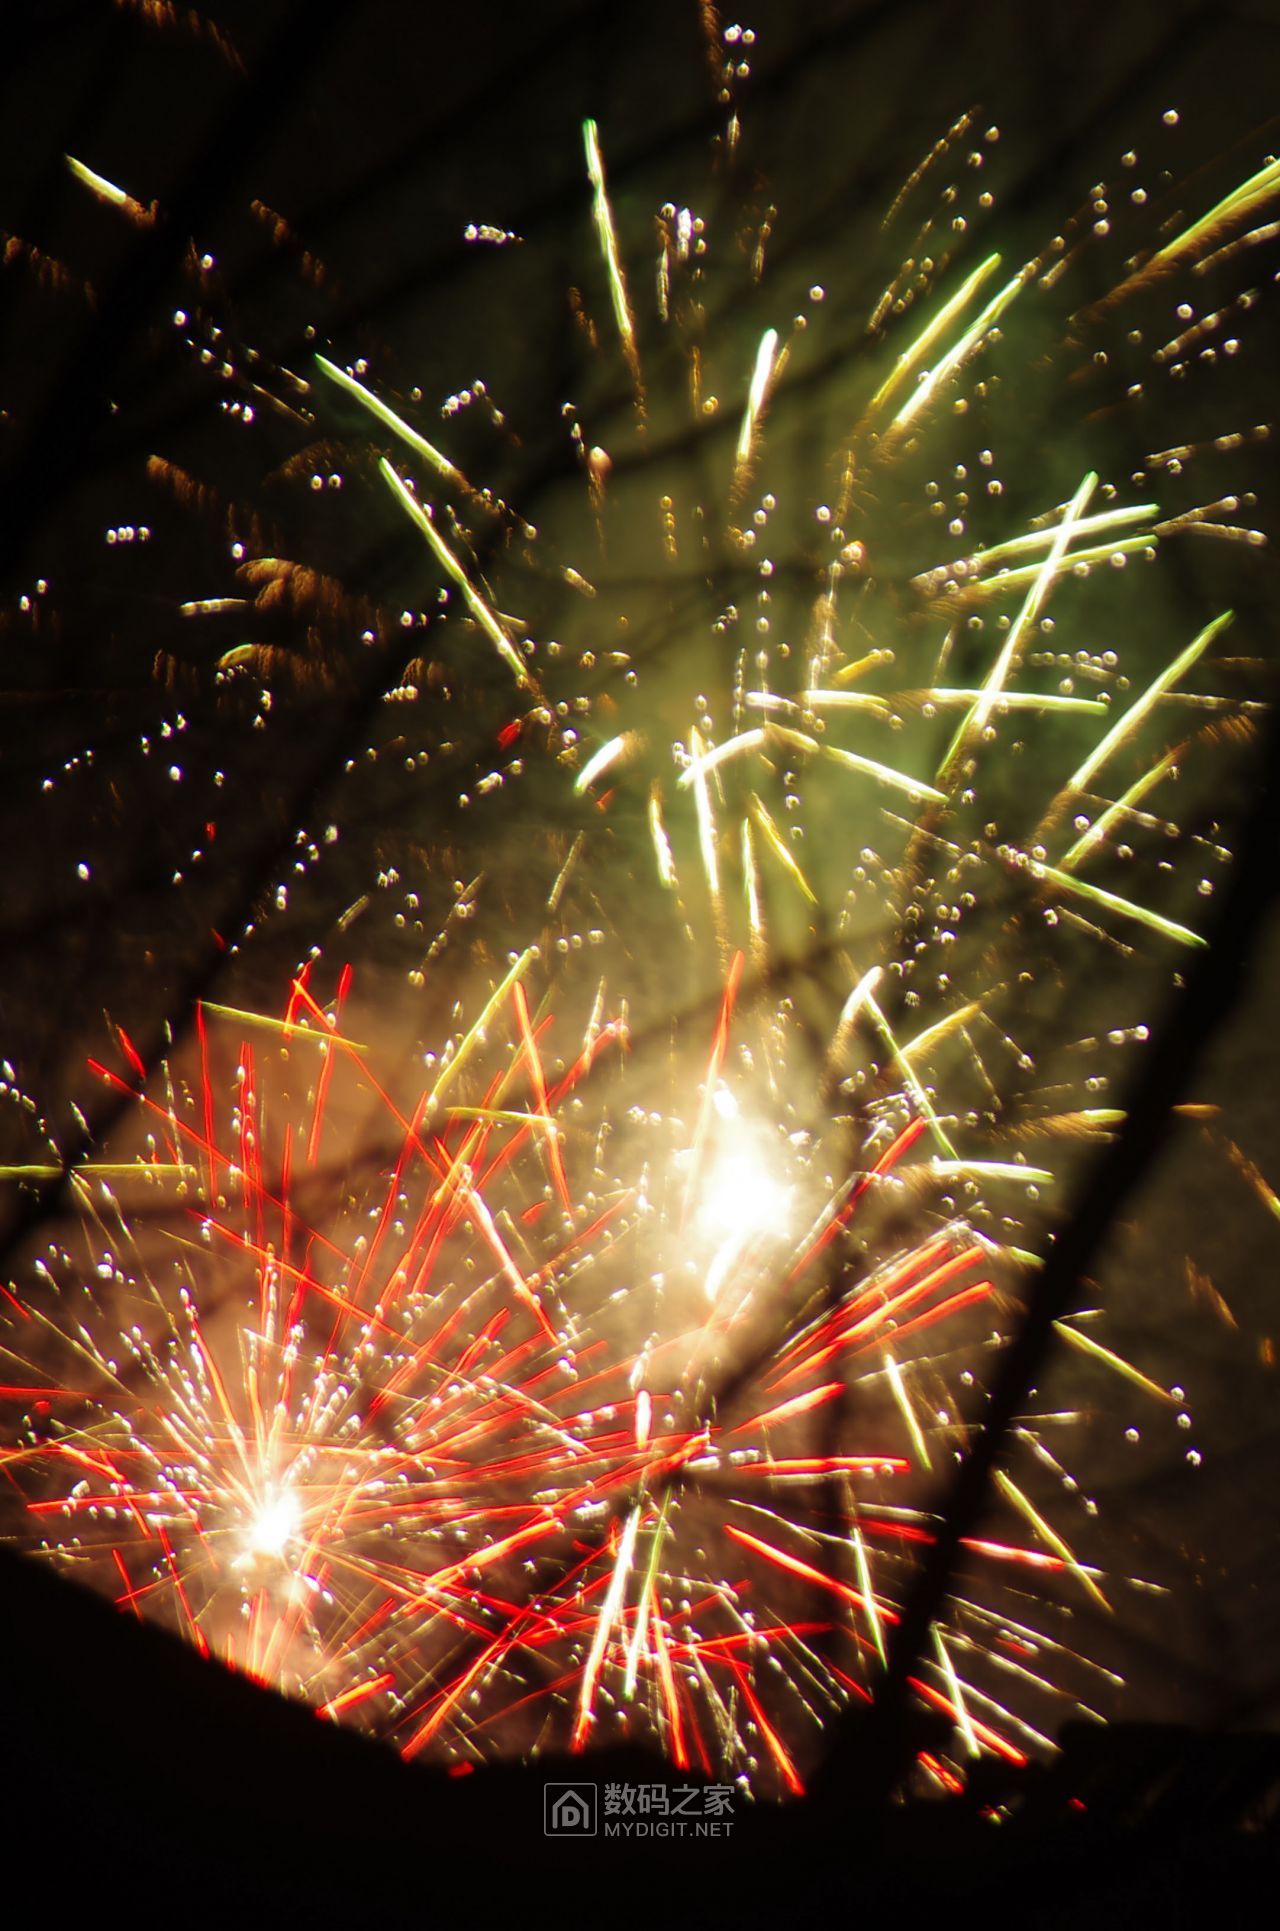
<point x="139" y="1777"/>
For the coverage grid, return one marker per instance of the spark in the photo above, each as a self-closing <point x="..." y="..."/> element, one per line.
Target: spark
<point x="107" y="191"/>
<point x="937" y="377"/>
<point x="1126" y="725"/>
<point x="602" y="214"/>
<point x="1112" y="902"/>
<point x="1241" y="201"/>
<point x="1041" y="584"/>
<point x="936" y="329"/>
<point x="1086" y="1344"/>
<point x="605" y="1398"/>
<point x="483" y="613"/>
<point x="1012" y="1493"/>
<point x="383" y="413"/>
<point x="762" y="376"/>
<point x="603" y="760"/>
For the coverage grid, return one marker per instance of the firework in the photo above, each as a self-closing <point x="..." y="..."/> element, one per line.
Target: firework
<point x="844" y="850"/>
<point x="413" y="1465"/>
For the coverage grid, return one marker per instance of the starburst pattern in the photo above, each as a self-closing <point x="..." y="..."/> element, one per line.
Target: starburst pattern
<point x="822" y="796"/>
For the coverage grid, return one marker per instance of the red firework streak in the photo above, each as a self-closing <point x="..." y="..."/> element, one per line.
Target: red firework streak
<point x="393" y="1463"/>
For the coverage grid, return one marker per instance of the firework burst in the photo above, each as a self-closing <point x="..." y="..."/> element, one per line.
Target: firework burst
<point x="616" y="1390"/>
<point x="496" y="1458"/>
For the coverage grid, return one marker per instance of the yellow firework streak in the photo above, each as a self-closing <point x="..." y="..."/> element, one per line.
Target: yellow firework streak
<point x="924" y="342"/>
<point x="603" y="760"/>
<point x="757" y="397"/>
<point x="1240" y="202"/>
<point x="992" y="1170"/>
<point x="661" y="843"/>
<point x="957" y="1695"/>
<point x="697" y="776"/>
<point x="703" y="763"/>
<point x="1012" y="1493"/>
<point x="751" y="878"/>
<point x="1090" y="526"/>
<point x="915" y="788"/>
<point x="383" y="413"/>
<point x="609" y="1613"/>
<point x="929" y="384"/>
<point x="483" y="613"/>
<point x="908" y="1073"/>
<point x="1086" y="1344"/>
<point x="941" y="1029"/>
<point x="867" y="1593"/>
<point x="894" y="1374"/>
<point x="1101" y="826"/>
<point x="1112" y="902"/>
<point x="476" y="1032"/>
<point x="107" y="191"/>
<point x="290" y="1029"/>
<point x="1137" y="711"/>
<point x="1022" y="701"/>
<point x="1041" y="584"/>
<point x="778" y="846"/>
<point x="562" y="877"/>
<point x="608" y="237"/>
